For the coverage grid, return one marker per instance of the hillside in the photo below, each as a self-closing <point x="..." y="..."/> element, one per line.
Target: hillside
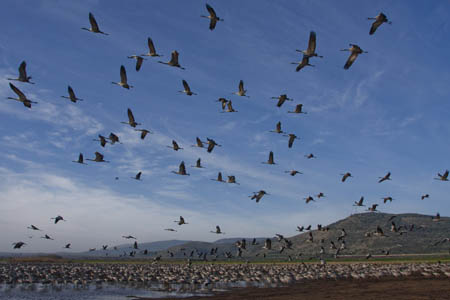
<point x="419" y="239"/>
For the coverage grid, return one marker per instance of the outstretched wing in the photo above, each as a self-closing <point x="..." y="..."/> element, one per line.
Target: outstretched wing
<point x="71" y="92"/>
<point x="350" y="60"/>
<point x="130" y="117"/>
<point x="211" y="11"/>
<point x="271" y="157"/>
<point x="186" y="86"/>
<point x="174" y="57"/>
<point x="17" y="91"/>
<point x="303" y="63"/>
<point x="151" y="47"/>
<point x="139" y="61"/>
<point x="375" y="25"/>
<point x="182" y="169"/>
<point x="98" y="156"/>
<point x="212" y="24"/>
<point x="94" y="25"/>
<point x="123" y="74"/>
<point x="291" y="141"/>
<point x="241" y="86"/>
<point x="22" y="70"/>
<point x="312" y="43"/>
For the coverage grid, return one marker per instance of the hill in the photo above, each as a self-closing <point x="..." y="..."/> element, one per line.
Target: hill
<point x="416" y="234"/>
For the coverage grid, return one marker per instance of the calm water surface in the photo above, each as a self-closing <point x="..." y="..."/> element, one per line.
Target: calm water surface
<point x="91" y="292"/>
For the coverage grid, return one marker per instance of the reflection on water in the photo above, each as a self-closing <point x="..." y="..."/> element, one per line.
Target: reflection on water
<point x="39" y="291"/>
<point x="90" y="292"/>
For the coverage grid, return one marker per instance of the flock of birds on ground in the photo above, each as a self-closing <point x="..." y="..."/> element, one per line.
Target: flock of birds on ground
<point x="210" y="144"/>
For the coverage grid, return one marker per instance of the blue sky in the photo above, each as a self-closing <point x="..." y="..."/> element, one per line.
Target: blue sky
<point x="388" y="112"/>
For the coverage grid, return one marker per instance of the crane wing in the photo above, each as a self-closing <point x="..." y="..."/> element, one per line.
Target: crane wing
<point x="123" y="75"/>
<point x="94" y="25"/>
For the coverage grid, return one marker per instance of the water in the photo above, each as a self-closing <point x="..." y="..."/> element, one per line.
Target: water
<point x="88" y="292"/>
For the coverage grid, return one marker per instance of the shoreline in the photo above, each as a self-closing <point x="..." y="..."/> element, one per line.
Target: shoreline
<point x="404" y="288"/>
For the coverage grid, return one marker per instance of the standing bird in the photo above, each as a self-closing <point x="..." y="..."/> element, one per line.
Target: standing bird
<point x="173" y="62"/>
<point x="292" y="138"/>
<point x="311" y="51"/>
<point x="94" y="26"/>
<point x="213" y="18"/>
<point x="345" y="176"/>
<point x="198" y="164"/>
<point x="303" y="63"/>
<point x="219" y="178"/>
<point x="123" y="79"/>
<point x="139" y="61"/>
<point x="181" y="170"/>
<point x="425" y="196"/>
<point x="385" y="177"/>
<point x="22" y="74"/>
<point x="22" y="98"/>
<point x="211" y="144"/>
<point x="57" y="219"/>
<point x="293" y="172"/>
<point x="131" y="120"/>
<point x="138" y="176"/>
<point x="277" y="128"/>
<point x="151" y="48"/>
<point x="360" y="202"/>
<point x="218" y="231"/>
<point x="187" y="89"/>
<point x="98" y="158"/>
<point x="258" y="195"/>
<point x="298" y="110"/>
<point x="282" y="99"/>
<point x="102" y="140"/>
<point x="270" y="161"/>
<point x="18" y="245"/>
<point x="144" y="132"/>
<point x="80" y="160"/>
<point x="175" y="146"/>
<point x="380" y="19"/>
<point x="181" y="221"/>
<point x="355" y="51"/>
<point x="443" y="177"/>
<point x="241" y="91"/>
<point x="72" y="96"/>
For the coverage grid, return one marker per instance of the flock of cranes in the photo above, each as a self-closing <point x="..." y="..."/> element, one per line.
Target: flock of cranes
<point x="226" y="106"/>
